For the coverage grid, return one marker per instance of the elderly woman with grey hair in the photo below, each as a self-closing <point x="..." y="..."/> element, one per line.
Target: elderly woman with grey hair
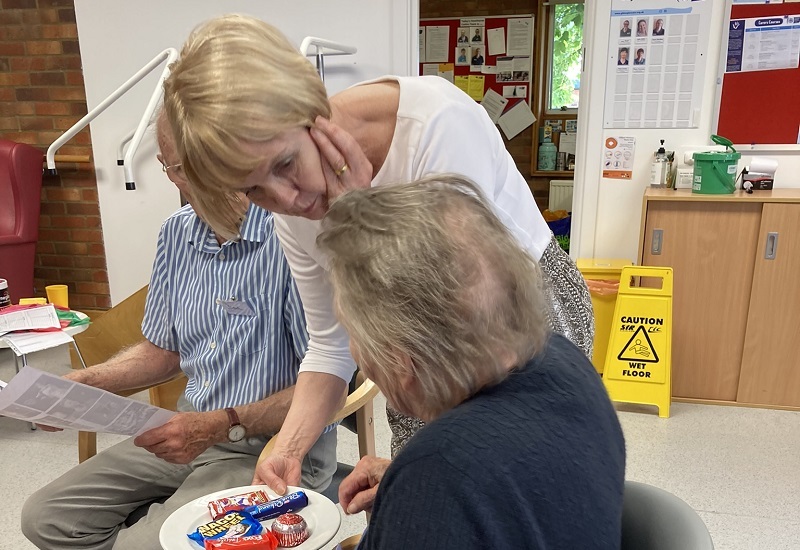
<point x="445" y="313"/>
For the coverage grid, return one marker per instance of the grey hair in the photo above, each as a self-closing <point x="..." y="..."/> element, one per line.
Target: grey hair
<point x="238" y="79"/>
<point x="427" y="270"/>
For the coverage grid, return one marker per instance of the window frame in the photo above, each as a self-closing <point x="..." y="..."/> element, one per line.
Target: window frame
<point x="543" y="38"/>
<point x="550" y="7"/>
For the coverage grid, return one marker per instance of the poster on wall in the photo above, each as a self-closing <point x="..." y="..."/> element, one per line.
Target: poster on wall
<point x="763" y="43"/>
<point x="618" y="157"/>
<point x="657" y="54"/>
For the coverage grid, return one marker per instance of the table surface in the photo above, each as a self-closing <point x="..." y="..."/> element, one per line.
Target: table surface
<point x="776" y="195"/>
<point x="72" y="331"/>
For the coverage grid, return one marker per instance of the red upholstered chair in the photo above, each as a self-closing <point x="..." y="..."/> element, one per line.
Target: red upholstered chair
<point x="20" y="191"/>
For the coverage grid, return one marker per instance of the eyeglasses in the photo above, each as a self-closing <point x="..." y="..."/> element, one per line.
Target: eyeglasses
<point x="173" y="171"/>
<point x="165" y="168"/>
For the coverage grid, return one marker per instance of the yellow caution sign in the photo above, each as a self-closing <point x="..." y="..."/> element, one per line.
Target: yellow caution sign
<point x="638" y="367"/>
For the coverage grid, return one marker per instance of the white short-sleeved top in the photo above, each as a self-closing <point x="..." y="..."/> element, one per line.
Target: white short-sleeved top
<point x="439" y="130"/>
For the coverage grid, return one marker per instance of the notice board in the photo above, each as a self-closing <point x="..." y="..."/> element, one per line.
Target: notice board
<point x="496" y="51"/>
<point x="758" y="107"/>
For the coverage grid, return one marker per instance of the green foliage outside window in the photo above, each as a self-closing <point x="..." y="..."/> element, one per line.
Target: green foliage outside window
<point x="567" y="50"/>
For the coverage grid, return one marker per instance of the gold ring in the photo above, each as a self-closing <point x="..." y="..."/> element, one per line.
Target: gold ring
<point x="342" y="170"/>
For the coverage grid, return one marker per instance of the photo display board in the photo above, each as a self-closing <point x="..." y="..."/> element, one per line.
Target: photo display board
<point x="489" y="58"/>
<point x="657" y="52"/>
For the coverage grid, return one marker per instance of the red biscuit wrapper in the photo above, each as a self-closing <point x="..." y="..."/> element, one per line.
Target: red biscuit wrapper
<point x="222" y="506"/>
<point x="264" y="541"/>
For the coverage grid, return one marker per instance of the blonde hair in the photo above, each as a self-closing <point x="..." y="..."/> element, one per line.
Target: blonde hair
<point x="426" y="269"/>
<point x="238" y="79"/>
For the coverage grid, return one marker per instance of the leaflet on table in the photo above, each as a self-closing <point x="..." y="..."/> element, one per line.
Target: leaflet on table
<point x="23" y="343"/>
<point x="29" y="319"/>
<point x="44" y="398"/>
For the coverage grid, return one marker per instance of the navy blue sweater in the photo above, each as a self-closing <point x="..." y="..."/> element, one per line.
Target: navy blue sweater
<point x="535" y="462"/>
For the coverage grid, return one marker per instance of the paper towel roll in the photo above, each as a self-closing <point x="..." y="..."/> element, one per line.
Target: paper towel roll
<point x="763" y="165"/>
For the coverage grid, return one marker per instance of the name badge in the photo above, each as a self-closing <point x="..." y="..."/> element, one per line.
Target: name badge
<point x="235" y="307"/>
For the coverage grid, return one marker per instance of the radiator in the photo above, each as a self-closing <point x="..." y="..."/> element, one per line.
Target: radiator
<point x="560" y="195"/>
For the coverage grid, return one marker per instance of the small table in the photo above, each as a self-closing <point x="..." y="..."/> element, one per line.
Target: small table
<point x="72" y="331"/>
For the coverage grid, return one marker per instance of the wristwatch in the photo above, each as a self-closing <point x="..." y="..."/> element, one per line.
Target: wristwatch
<point x="236" y="431"/>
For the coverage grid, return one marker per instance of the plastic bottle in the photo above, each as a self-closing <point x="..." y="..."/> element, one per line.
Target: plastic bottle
<point x="658" y="171"/>
<point x="5" y="299"/>
<point x="548" y="152"/>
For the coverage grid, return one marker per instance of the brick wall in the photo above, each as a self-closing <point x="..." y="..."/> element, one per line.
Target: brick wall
<point x="520" y="146"/>
<point x="41" y="95"/>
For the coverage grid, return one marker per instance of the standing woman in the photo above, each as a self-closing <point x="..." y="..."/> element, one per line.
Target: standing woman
<point x="250" y="114"/>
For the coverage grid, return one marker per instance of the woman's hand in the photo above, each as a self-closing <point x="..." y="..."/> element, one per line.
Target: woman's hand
<point x="357" y="491"/>
<point x="344" y="163"/>
<point x="278" y="471"/>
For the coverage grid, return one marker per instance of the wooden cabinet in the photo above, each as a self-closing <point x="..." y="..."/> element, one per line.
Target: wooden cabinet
<point x="736" y="314"/>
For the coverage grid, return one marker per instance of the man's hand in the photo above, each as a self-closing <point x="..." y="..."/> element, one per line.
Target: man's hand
<point x="278" y="471"/>
<point x="357" y="491"/>
<point x="184" y="437"/>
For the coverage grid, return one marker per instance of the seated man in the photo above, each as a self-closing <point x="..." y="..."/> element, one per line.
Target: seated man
<point x="228" y="315"/>
<point x="445" y="313"/>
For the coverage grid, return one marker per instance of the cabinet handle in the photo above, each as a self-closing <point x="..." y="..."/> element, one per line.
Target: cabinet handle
<point x="658" y="239"/>
<point x="772" y="246"/>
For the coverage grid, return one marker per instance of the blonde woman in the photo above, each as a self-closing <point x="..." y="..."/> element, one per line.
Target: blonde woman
<point x="445" y="313"/>
<point x="250" y="114"/>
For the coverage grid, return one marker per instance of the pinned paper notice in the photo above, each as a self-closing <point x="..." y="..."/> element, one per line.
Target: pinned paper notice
<point x="446" y="71"/>
<point x="462" y="83"/>
<point x="437" y="44"/>
<point x="520" y="36"/>
<point x="430" y="69"/>
<point x="494" y="104"/>
<point x="475" y="89"/>
<point x="497" y="41"/>
<point x="516" y="119"/>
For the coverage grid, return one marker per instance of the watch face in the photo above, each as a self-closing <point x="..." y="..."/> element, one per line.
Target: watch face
<point x="236" y="433"/>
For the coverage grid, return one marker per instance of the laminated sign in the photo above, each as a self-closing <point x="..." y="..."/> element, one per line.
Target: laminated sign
<point x="638" y="362"/>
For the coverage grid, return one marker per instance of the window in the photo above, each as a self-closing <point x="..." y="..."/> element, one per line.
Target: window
<point x="567" y="52"/>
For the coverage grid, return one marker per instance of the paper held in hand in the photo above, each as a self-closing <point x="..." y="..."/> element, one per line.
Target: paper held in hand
<point x="44" y="398"/>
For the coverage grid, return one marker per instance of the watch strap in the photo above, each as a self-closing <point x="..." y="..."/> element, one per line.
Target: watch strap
<point x="233" y="417"/>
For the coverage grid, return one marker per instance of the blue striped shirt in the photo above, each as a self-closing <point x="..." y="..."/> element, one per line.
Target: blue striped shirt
<point x="232" y="312"/>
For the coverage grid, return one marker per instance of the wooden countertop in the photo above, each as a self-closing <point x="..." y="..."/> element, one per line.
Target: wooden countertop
<point x="776" y="195"/>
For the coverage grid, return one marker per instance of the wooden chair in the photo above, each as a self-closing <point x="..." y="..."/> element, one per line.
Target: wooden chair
<point x="358" y="403"/>
<point x="119" y="328"/>
<point x="350" y="543"/>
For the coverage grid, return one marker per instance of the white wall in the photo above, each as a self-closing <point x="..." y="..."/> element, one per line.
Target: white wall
<point x="606" y="212"/>
<point x="118" y="37"/>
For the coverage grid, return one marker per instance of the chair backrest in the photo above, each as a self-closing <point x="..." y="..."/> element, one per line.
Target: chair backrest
<point x="20" y="191"/>
<point x="359" y="401"/>
<point x="116" y="329"/>
<point x="653" y="519"/>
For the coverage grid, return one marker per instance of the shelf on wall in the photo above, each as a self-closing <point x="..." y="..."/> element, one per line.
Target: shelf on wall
<point x="556" y="173"/>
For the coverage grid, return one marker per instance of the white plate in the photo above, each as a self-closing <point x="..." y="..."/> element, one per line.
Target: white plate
<point x="321" y="515"/>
